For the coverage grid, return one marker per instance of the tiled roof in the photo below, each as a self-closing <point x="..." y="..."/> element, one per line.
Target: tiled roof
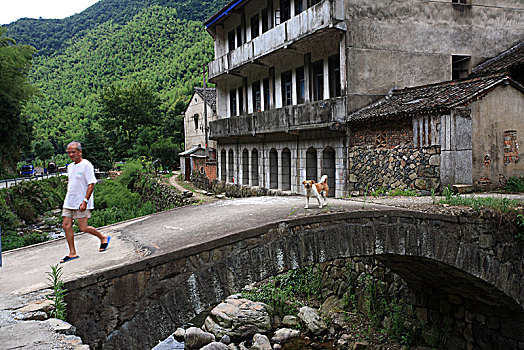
<point x="431" y="98"/>
<point x="506" y="61"/>
<point x="210" y="96"/>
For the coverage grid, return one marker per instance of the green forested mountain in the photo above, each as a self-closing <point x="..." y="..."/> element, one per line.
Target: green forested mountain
<point x="51" y="35"/>
<point x="159" y="43"/>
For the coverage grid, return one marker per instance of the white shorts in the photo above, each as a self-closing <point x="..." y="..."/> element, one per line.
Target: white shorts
<point x="76" y="214"/>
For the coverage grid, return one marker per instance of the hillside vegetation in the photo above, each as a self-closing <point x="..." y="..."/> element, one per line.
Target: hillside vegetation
<point x="159" y="44"/>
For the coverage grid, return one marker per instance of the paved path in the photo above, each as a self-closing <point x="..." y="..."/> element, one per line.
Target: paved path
<point x="24" y="270"/>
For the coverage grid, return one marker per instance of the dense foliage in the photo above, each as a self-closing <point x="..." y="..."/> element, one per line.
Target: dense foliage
<point x="52" y="35"/>
<point x="25" y="202"/>
<point x="15" y="129"/>
<point x="158" y="44"/>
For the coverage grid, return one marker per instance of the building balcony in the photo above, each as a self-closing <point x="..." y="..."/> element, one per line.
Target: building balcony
<point x="317" y="20"/>
<point x="307" y="116"/>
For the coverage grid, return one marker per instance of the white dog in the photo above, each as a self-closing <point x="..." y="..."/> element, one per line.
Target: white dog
<point x="317" y="189"/>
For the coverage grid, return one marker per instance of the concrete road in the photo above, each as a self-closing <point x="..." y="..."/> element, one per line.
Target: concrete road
<point x="24" y="270"/>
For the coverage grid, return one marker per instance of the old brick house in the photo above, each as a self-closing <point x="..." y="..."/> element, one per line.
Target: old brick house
<point x="464" y="132"/>
<point x="194" y="129"/>
<point x="288" y="73"/>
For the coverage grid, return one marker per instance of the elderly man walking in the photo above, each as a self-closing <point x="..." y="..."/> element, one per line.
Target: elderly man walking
<point x="78" y="202"/>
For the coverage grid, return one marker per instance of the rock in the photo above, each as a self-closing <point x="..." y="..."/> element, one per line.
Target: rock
<point x="277" y="346"/>
<point x="195" y="338"/>
<point x="360" y="346"/>
<point x="332" y="304"/>
<point x="39" y="305"/>
<point x="345" y="342"/>
<point x="312" y="319"/>
<point x="242" y="346"/>
<point x="290" y="321"/>
<point x="260" y="342"/>
<point x="285" y="334"/>
<point x="215" y="346"/>
<point x="169" y="344"/>
<point x="225" y="339"/>
<point x="179" y="333"/>
<point x="60" y="326"/>
<point x="232" y="347"/>
<point x="238" y="318"/>
<point x="34" y="315"/>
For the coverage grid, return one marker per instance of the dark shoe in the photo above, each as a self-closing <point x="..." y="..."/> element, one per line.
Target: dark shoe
<point x="68" y="258"/>
<point x="103" y="246"/>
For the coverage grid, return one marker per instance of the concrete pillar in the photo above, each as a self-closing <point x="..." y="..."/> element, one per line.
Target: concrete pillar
<point x="272" y="88"/>
<point x="343" y="71"/>
<point x="326" y="78"/>
<point x="244" y="92"/>
<point x="307" y="76"/>
<point x="294" y="97"/>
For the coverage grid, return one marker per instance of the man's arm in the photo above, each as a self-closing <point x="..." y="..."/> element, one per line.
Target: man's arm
<point x="83" y="205"/>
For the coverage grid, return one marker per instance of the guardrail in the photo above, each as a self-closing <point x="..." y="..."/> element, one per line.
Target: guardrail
<point x="13" y="182"/>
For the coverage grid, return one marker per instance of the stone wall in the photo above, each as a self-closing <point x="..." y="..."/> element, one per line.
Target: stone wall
<point x="161" y="195"/>
<point x="396" y="168"/>
<point x="467" y="269"/>
<point x="233" y="190"/>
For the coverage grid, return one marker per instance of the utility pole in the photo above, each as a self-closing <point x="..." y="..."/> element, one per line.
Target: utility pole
<point x="205" y="108"/>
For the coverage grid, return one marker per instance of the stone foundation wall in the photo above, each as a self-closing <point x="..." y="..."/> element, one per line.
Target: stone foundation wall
<point x="396" y="168"/>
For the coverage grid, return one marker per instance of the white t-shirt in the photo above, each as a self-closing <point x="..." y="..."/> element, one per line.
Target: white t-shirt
<point x="80" y="176"/>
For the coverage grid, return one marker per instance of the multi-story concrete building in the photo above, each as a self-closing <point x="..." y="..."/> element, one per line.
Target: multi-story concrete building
<point x="289" y="72"/>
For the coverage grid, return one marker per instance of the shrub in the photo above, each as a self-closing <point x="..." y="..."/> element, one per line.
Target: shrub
<point x="131" y="173"/>
<point x="111" y="193"/>
<point x="25" y="210"/>
<point x="515" y="184"/>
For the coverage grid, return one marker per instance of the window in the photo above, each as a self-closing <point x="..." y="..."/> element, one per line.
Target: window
<point x="233" y="102"/>
<point x="257" y="102"/>
<point x="240" y="101"/>
<point x="461" y="5"/>
<point x="254" y="26"/>
<point x="267" y="94"/>
<point x="239" y="36"/>
<point x="334" y="76"/>
<point x="285" y="10"/>
<point x="318" y="80"/>
<point x="287" y="86"/>
<point x="299" y="6"/>
<point x="195" y="119"/>
<point x="231" y="40"/>
<point x="460" y="66"/>
<point x="265" y="18"/>
<point x="301" y="86"/>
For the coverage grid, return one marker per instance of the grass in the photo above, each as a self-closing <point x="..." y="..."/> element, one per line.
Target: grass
<point x="502" y="205"/>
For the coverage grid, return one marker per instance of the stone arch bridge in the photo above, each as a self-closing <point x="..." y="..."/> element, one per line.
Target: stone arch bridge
<point x="469" y="257"/>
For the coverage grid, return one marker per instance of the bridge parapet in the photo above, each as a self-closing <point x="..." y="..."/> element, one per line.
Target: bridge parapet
<point x="470" y="257"/>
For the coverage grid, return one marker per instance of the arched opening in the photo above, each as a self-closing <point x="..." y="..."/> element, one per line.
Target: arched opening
<point x="273" y="168"/>
<point x="286" y="169"/>
<point x="254" y="167"/>
<point x="245" y="167"/>
<point x="223" y="169"/>
<point x="328" y="168"/>
<point x="311" y="164"/>
<point x="231" y="166"/>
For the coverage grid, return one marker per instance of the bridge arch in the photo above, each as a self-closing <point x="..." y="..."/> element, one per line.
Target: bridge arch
<point x="427" y="250"/>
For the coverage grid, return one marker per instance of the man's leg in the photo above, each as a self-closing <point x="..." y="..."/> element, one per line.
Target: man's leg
<point x="67" y="224"/>
<point x="82" y="225"/>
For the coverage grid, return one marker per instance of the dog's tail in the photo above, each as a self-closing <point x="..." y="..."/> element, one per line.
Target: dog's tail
<point x="323" y="179"/>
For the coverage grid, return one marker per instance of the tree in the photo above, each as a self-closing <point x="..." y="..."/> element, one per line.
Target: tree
<point x="125" y="111"/>
<point x="15" y="91"/>
<point x="94" y="148"/>
<point x="43" y="149"/>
